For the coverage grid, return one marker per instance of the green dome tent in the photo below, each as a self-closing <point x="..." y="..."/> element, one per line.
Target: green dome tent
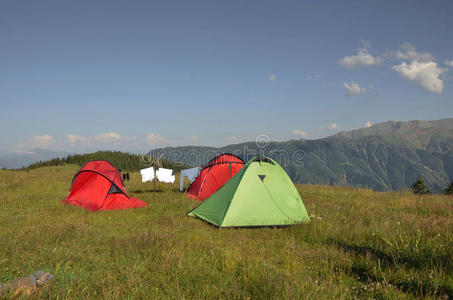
<point x="260" y="194"/>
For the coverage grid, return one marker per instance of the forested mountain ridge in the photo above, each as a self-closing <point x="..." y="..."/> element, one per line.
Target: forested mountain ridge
<point x="385" y="156"/>
<point x="120" y="160"/>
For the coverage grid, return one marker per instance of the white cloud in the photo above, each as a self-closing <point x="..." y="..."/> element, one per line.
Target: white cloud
<point x="38" y="141"/>
<point x="272" y="77"/>
<point x="43" y="140"/>
<point x="193" y="138"/>
<point x="106" y="137"/>
<point x="315" y="76"/>
<point x="353" y="88"/>
<point x="334" y="126"/>
<point x="362" y="59"/>
<point x="75" y="139"/>
<point x="75" y="142"/>
<point x="233" y="139"/>
<point x="426" y="74"/>
<point x="368" y="124"/>
<point x="408" y="52"/>
<point x="300" y="133"/>
<point x="154" y="138"/>
<point x="21" y="151"/>
<point x="449" y="63"/>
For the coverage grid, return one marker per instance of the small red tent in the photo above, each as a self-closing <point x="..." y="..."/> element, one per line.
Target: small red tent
<point x="98" y="186"/>
<point x="213" y="175"/>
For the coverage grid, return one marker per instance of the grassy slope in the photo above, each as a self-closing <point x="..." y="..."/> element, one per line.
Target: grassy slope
<point x="359" y="244"/>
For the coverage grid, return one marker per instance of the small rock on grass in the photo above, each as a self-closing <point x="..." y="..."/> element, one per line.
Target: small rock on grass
<point x="27" y="284"/>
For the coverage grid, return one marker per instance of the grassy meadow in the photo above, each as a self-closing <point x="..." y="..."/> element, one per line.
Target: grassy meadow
<point x="359" y="244"/>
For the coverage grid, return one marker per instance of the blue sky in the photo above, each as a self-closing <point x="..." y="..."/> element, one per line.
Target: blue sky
<point x="87" y="75"/>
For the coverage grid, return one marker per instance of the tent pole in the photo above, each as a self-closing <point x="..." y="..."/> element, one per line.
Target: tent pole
<point x="154" y="165"/>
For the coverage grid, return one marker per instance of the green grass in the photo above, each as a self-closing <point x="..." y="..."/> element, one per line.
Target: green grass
<point x="359" y="244"/>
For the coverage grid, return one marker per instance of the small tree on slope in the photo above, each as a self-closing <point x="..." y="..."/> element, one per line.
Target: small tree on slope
<point x="419" y="187"/>
<point x="449" y="189"/>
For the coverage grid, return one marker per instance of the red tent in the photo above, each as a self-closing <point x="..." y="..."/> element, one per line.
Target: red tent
<point x="213" y="175"/>
<point x="98" y="186"/>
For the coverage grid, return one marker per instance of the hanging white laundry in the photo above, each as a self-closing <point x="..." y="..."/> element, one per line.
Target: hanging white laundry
<point x="191" y="174"/>
<point x="147" y="174"/>
<point x="165" y="175"/>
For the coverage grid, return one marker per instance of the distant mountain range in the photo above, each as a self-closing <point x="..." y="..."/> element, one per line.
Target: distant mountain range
<point x="385" y="156"/>
<point x="15" y="160"/>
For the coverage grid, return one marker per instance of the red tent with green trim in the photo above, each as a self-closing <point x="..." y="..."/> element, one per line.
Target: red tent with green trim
<point x="98" y="186"/>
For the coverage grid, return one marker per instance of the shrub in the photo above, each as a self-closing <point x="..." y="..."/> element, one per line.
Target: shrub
<point x="449" y="189"/>
<point x="419" y="187"/>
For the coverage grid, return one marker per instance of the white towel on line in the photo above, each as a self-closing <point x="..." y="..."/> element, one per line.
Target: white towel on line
<point x="165" y="175"/>
<point x="147" y="174"/>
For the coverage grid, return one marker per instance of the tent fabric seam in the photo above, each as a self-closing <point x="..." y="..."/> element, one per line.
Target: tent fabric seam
<point x="234" y="194"/>
<point x="112" y="182"/>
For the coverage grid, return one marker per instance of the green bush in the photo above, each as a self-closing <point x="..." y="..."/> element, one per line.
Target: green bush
<point x="419" y="187"/>
<point x="449" y="189"/>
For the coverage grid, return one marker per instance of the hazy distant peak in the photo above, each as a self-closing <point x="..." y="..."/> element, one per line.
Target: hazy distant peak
<point x="418" y="133"/>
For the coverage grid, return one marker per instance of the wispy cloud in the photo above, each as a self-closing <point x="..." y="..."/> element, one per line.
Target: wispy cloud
<point x="109" y="136"/>
<point x="313" y="76"/>
<point x="409" y="52"/>
<point x="43" y="140"/>
<point x="102" y="140"/>
<point x="334" y="126"/>
<point x="300" y="133"/>
<point x="74" y="139"/>
<point x="449" y="63"/>
<point x="272" y="77"/>
<point x="155" y="138"/>
<point x="361" y="59"/>
<point x="38" y="141"/>
<point x="233" y="139"/>
<point x="193" y="139"/>
<point x="353" y="88"/>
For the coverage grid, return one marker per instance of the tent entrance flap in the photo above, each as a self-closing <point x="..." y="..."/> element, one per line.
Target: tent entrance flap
<point x="213" y="175"/>
<point x="98" y="186"/>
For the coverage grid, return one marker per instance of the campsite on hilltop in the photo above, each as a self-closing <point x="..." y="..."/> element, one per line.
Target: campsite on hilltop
<point x="247" y="150"/>
<point x="359" y="243"/>
<point x="349" y="242"/>
<point x="354" y="242"/>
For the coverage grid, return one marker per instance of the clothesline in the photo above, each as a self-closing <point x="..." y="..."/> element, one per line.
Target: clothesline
<point x="162" y="174"/>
